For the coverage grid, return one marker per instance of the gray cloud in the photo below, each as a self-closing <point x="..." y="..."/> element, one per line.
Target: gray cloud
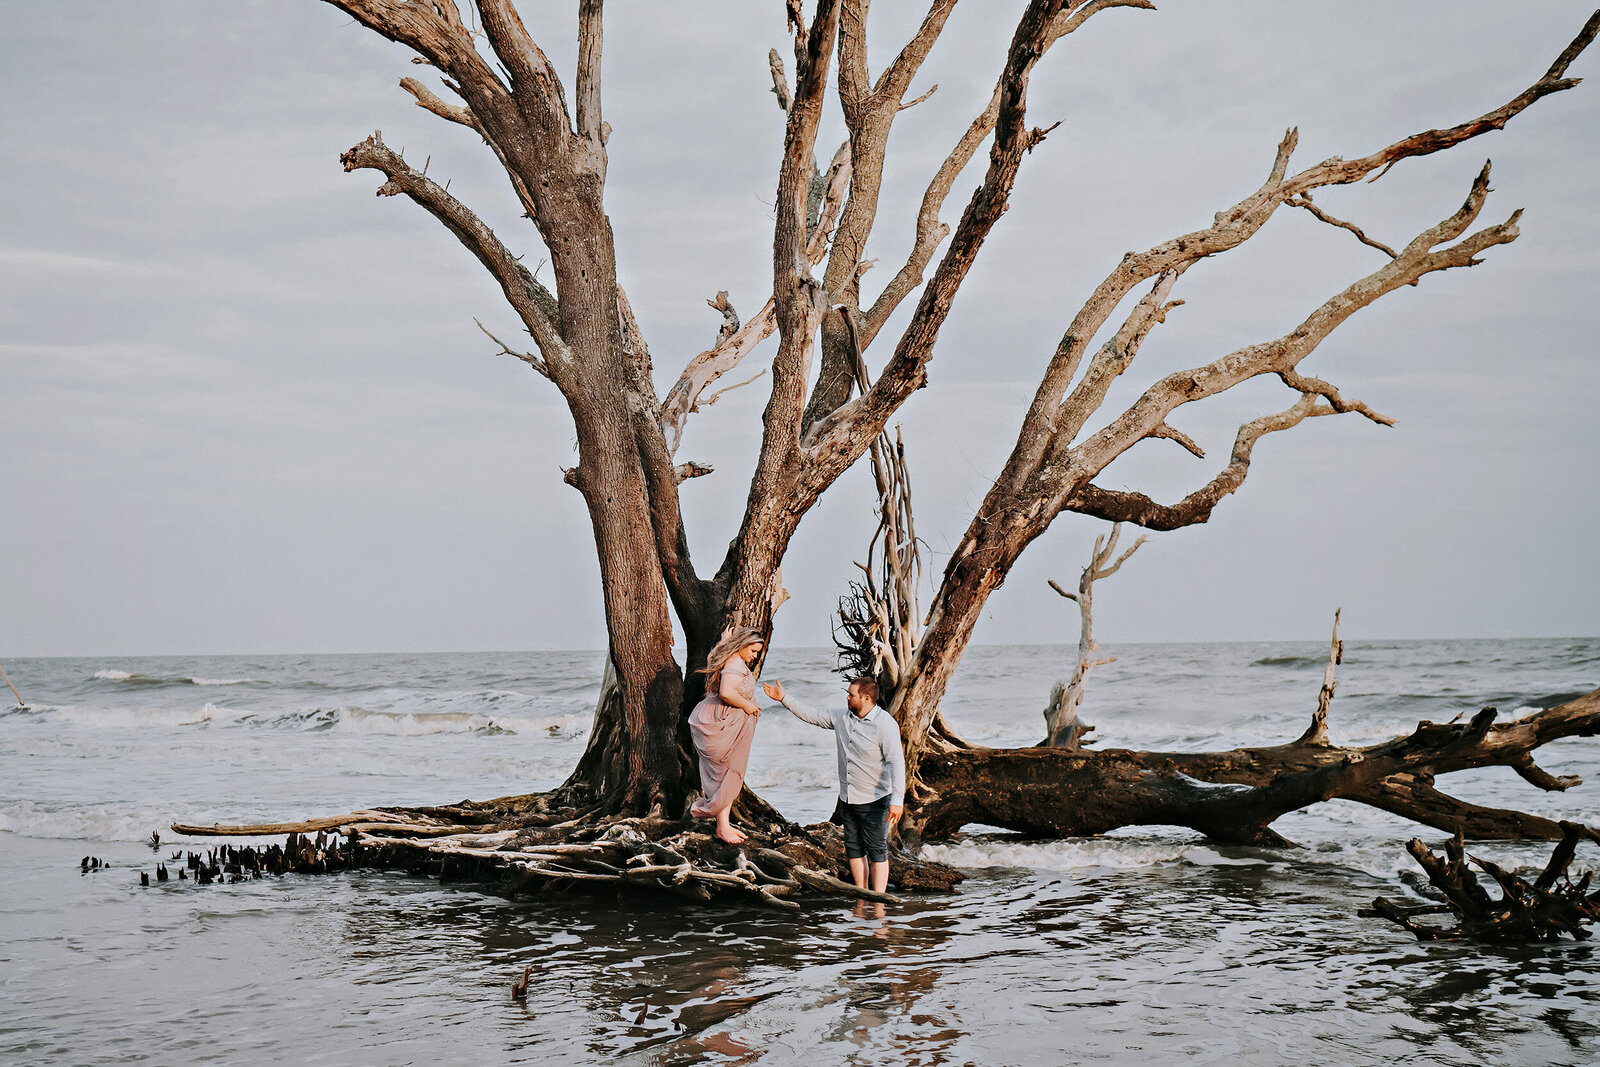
<point x="246" y="408"/>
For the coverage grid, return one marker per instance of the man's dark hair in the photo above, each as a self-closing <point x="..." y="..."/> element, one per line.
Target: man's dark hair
<point x="868" y="686"/>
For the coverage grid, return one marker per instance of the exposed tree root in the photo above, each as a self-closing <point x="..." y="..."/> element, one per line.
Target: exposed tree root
<point x="1541" y="910"/>
<point x="526" y="845"/>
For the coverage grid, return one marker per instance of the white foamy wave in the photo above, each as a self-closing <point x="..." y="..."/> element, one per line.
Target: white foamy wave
<point x="26" y="818"/>
<point x="111" y="675"/>
<point x="119" y="718"/>
<point x="407" y="724"/>
<point x="823" y="778"/>
<point x="1114" y="853"/>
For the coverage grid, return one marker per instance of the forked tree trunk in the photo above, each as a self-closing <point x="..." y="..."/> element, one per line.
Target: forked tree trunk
<point x="590" y="347"/>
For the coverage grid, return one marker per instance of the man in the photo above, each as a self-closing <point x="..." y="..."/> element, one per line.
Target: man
<point x="872" y="774"/>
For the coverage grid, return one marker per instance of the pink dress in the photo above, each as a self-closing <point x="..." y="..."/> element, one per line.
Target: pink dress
<point x="722" y="736"/>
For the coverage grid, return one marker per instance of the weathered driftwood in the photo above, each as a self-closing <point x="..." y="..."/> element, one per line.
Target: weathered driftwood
<point x="1235" y="795"/>
<point x="7" y="679"/>
<point x="520" y="843"/>
<point x="1062" y="726"/>
<point x="1544" y="909"/>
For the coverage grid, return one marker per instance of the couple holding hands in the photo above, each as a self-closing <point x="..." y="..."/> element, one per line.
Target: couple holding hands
<point x="872" y="778"/>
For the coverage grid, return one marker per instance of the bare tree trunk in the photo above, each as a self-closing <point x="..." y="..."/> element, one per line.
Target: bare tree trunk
<point x="590" y="347"/>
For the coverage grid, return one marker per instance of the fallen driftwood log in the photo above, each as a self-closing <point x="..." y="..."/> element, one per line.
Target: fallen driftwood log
<point x="1544" y="909"/>
<point x="524" y="846"/>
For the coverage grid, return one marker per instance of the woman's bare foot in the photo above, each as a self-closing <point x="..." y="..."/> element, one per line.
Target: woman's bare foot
<point x="727" y="833"/>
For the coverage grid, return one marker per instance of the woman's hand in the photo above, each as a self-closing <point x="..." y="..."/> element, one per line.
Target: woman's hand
<point x="774" y="690"/>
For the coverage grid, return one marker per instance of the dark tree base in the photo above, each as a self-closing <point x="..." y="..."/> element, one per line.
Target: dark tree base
<point x="526" y="844"/>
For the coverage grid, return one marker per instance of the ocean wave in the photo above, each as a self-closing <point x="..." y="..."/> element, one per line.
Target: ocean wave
<point x="1106" y="852"/>
<point x="26" y="818"/>
<point x="353" y="720"/>
<point x="822" y="777"/>
<point x="339" y="720"/>
<point x="134" y="678"/>
<point x="1290" y="661"/>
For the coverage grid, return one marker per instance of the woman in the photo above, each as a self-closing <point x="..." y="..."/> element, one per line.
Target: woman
<point x="724" y="724"/>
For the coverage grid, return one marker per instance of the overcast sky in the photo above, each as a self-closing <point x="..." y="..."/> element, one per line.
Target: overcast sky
<point x="245" y="407"/>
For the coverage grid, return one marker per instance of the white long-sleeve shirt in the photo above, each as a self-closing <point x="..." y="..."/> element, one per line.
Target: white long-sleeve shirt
<point x="871" y="763"/>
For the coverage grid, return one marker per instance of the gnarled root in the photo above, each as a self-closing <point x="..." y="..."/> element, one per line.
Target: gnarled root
<point x="1541" y="910"/>
<point x="529" y="845"/>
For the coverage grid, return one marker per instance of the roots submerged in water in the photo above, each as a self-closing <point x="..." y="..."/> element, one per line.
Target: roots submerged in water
<point x="529" y="845"/>
<point x="1544" y="909"/>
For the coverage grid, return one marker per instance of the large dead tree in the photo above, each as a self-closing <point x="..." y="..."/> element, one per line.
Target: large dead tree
<point x="550" y="137"/>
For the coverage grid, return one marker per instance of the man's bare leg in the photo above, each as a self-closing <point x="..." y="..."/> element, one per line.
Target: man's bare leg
<point x="880" y="876"/>
<point x="858" y="871"/>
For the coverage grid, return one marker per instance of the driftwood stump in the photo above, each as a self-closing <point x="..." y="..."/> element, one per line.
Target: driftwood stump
<point x="1541" y="910"/>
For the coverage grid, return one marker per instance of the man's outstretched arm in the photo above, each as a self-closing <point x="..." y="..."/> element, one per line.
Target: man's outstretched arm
<point x="799" y="710"/>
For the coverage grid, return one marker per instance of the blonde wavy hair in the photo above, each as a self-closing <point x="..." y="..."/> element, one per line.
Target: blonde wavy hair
<point x="733" y="639"/>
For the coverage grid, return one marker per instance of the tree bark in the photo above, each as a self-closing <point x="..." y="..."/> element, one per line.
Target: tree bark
<point x="1235" y="795"/>
<point x="591" y="348"/>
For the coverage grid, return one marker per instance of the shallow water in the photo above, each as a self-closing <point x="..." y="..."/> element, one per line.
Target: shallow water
<point x="1149" y="944"/>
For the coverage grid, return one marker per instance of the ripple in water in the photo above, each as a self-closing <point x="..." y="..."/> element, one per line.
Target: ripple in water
<point x="1150" y="944"/>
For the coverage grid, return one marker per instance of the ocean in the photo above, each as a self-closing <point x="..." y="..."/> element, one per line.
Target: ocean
<point x="1149" y="945"/>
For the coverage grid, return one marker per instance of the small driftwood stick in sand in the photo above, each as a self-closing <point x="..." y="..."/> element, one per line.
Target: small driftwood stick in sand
<point x="273" y="829"/>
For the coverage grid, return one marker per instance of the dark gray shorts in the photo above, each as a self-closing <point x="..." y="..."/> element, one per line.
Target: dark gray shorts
<point x="866" y="830"/>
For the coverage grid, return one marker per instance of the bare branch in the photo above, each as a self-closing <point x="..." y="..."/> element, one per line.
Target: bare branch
<point x="839" y="176"/>
<point x="930" y="231"/>
<point x="1420" y="257"/>
<point x="707" y="367"/>
<point x="534" y="82"/>
<point x="527" y="357"/>
<point x="908" y="104"/>
<point x="1102" y="571"/>
<point x="1306" y="384"/>
<point x="1167" y="433"/>
<point x="1317" y="732"/>
<point x="1534" y="774"/>
<point x="780" y="82"/>
<point x="1062" y="726"/>
<point x="591" y="29"/>
<point x="1124" y="506"/>
<point x="1304" y="201"/>
<point x="531" y="301"/>
<point x="730" y="317"/>
<point x="712" y="399"/>
<point x="427" y="100"/>
<point x="869" y="112"/>
<point x="846" y="432"/>
<point x="691" y="469"/>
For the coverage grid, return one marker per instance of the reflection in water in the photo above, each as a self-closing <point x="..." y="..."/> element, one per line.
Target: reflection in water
<point x="1220" y="955"/>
